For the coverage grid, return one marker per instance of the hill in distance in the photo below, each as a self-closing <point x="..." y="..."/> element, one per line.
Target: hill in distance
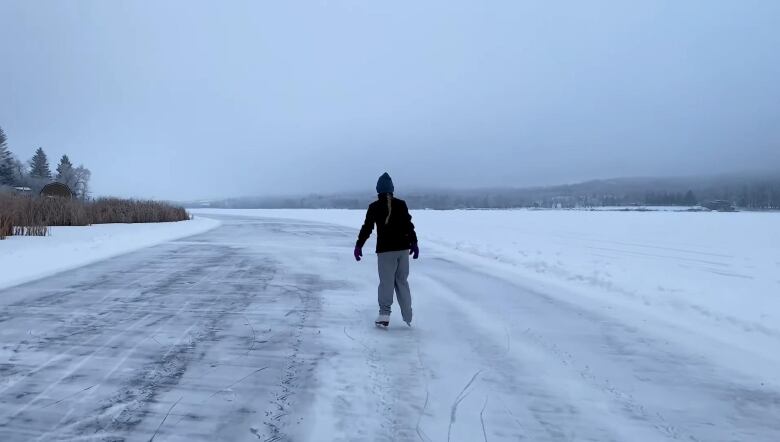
<point x="745" y="190"/>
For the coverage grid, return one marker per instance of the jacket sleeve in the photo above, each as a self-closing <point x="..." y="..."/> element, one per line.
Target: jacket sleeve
<point x="410" y="226"/>
<point x="368" y="227"/>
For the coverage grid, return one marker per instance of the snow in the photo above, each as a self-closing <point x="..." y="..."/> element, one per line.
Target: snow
<point x="648" y="208"/>
<point x="676" y="262"/>
<point x="262" y="329"/>
<point x="24" y="259"/>
<point x="706" y="273"/>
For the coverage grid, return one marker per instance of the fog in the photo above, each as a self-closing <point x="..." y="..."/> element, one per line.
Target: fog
<point x="185" y="99"/>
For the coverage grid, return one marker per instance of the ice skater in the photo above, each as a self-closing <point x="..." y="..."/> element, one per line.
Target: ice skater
<point x="396" y="240"/>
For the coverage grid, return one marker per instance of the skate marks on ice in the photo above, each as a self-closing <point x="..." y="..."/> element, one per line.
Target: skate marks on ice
<point x="183" y="341"/>
<point x="241" y="334"/>
<point x="400" y="383"/>
<point x="295" y="387"/>
<point x="371" y="388"/>
<point x="561" y="371"/>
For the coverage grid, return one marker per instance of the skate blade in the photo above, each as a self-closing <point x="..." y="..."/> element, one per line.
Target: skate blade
<point x="382" y="324"/>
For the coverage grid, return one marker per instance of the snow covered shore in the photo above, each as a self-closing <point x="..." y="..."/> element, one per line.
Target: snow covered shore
<point x="24" y="259"/>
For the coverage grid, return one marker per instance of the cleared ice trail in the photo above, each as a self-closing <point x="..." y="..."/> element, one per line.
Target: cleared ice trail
<point x="203" y="338"/>
<point x="262" y="330"/>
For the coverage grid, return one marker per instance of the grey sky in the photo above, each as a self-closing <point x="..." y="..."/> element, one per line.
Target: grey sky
<point x="184" y="99"/>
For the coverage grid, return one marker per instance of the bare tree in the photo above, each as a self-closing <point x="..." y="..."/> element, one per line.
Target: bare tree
<point x="81" y="177"/>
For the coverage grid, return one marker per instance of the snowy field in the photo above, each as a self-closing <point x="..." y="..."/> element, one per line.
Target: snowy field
<point x="529" y="325"/>
<point x="25" y="259"/>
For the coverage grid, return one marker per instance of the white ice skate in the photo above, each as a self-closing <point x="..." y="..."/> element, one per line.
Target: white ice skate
<point x="382" y="321"/>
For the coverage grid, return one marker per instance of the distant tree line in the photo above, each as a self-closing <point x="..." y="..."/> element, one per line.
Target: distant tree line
<point x="36" y="173"/>
<point x="761" y="195"/>
<point x="758" y="192"/>
<point x="670" y="199"/>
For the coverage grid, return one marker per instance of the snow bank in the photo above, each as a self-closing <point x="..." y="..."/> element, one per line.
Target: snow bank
<point x="699" y="269"/>
<point x="24" y="259"/>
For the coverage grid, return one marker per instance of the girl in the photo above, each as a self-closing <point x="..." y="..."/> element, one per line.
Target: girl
<point x="396" y="240"/>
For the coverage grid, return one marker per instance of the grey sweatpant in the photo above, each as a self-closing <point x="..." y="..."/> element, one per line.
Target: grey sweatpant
<point x="393" y="272"/>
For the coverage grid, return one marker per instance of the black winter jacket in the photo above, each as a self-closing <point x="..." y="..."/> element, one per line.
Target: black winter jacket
<point x="398" y="234"/>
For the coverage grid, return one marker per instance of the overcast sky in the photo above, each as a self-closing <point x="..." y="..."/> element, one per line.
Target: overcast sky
<point x="189" y="99"/>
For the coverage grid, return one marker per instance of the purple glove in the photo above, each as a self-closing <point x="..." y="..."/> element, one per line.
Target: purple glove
<point x="414" y="251"/>
<point x="358" y="253"/>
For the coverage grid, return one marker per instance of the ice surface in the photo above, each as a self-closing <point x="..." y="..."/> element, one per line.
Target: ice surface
<point x="717" y="271"/>
<point x="262" y="329"/>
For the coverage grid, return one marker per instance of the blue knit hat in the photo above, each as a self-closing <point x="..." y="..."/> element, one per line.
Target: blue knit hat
<point x="385" y="184"/>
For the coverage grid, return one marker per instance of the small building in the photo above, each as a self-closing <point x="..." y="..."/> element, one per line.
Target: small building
<point x="720" y="206"/>
<point x="23" y="190"/>
<point x="56" y="190"/>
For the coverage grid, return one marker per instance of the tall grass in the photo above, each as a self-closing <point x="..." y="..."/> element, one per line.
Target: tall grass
<point x="114" y="210"/>
<point x="23" y="215"/>
<point x="6" y="228"/>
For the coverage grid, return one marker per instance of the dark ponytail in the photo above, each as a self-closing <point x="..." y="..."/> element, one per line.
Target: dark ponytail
<point x="389" y="207"/>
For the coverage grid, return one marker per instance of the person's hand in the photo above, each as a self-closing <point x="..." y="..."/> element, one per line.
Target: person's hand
<point x="358" y="253"/>
<point x="415" y="251"/>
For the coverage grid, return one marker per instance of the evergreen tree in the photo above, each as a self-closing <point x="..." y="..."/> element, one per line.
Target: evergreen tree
<point x="6" y="162"/>
<point x="65" y="173"/>
<point x="690" y="199"/>
<point x="39" y="165"/>
<point x="3" y="143"/>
